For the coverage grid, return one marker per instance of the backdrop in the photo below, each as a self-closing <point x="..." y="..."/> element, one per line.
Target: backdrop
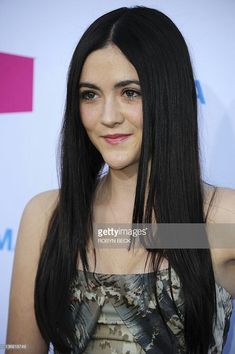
<point x="37" y="39"/>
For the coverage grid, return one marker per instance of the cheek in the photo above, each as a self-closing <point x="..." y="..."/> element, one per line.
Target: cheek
<point x="88" y="116"/>
<point x="135" y="115"/>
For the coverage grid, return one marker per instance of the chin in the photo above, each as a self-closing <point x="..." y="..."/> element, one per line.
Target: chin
<point x="120" y="160"/>
<point x="116" y="166"/>
<point x="119" y="165"/>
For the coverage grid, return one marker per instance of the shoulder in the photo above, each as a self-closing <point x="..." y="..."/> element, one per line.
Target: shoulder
<point x="22" y="324"/>
<point x="220" y="202"/>
<point x="37" y="213"/>
<point x="33" y="228"/>
<point x="43" y="201"/>
<point x="224" y="206"/>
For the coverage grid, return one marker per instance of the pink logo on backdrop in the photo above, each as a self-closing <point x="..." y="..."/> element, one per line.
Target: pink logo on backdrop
<point x="16" y="83"/>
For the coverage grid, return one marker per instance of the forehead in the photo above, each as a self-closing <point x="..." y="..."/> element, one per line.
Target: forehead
<point x="108" y="63"/>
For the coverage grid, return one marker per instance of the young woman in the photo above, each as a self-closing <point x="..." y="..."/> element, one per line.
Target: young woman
<point x="131" y="103"/>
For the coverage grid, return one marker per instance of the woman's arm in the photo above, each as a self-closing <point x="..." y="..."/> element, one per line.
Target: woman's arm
<point x="223" y="211"/>
<point x="22" y="327"/>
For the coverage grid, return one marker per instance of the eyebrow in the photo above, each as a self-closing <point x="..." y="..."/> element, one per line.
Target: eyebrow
<point x="117" y="85"/>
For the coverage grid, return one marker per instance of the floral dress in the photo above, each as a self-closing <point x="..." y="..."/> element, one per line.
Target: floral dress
<point x="118" y="314"/>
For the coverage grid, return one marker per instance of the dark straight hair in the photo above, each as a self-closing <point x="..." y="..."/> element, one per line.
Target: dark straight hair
<point x="157" y="49"/>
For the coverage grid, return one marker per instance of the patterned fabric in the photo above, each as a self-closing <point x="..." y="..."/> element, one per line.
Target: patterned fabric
<point x="118" y="314"/>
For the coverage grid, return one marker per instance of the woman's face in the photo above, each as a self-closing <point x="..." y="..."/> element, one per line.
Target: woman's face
<point x="110" y="103"/>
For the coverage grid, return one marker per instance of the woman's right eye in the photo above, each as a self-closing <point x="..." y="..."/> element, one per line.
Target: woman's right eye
<point x="87" y="95"/>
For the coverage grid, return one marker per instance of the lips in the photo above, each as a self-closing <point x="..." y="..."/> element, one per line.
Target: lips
<point x="116" y="138"/>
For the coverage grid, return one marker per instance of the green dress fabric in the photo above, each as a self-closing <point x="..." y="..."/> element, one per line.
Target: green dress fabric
<point x="118" y="314"/>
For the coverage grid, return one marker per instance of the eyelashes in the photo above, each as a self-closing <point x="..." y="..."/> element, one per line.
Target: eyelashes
<point x="131" y="93"/>
<point x="89" y="95"/>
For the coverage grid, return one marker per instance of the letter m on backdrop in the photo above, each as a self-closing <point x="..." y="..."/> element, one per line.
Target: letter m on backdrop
<point x="6" y="240"/>
<point x="16" y="83"/>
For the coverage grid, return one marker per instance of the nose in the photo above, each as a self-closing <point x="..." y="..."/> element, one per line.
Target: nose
<point x="111" y="114"/>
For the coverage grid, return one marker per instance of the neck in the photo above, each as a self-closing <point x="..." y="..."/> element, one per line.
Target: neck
<point x="118" y="186"/>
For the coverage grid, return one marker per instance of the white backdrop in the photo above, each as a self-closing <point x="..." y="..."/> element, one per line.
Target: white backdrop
<point x="48" y="32"/>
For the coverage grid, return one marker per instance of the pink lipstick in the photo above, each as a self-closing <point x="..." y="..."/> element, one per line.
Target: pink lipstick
<point x="116" y="138"/>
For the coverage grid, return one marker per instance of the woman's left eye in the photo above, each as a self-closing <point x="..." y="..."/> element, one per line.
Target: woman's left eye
<point x="131" y="93"/>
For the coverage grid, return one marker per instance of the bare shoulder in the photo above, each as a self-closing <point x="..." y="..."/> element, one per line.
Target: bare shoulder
<point x="224" y="206"/>
<point x="221" y="202"/>
<point x="22" y="325"/>
<point x="37" y="213"/>
<point x="44" y="200"/>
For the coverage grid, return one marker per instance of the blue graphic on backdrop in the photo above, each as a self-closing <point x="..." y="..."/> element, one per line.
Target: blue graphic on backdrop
<point x="6" y="241"/>
<point x="200" y="94"/>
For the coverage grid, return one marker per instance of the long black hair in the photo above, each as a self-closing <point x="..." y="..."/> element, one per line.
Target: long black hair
<point x="157" y="49"/>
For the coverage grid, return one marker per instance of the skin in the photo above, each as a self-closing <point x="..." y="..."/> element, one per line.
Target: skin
<point x="115" y="106"/>
<point x="110" y="110"/>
